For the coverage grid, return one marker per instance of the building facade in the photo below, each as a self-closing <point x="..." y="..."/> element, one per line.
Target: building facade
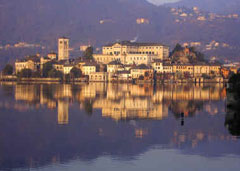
<point x="130" y="52"/>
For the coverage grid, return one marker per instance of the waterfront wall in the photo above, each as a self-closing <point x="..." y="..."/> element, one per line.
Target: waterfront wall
<point x="192" y="80"/>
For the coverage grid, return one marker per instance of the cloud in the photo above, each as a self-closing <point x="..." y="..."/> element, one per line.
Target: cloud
<point x="159" y="2"/>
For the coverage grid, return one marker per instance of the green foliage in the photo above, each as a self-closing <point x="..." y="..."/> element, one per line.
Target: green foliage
<point x="36" y="74"/>
<point x="47" y="67"/>
<point x="8" y="70"/>
<point x="177" y="48"/>
<point x="187" y="75"/>
<point x="206" y="76"/>
<point x="192" y="49"/>
<point x="179" y="75"/>
<point x="200" y="56"/>
<point x="25" y="73"/>
<point x="53" y="73"/>
<point x="146" y="74"/>
<point x="75" y="72"/>
<point x="235" y="79"/>
<point x="141" y="77"/>
<point x="88" y="54"/>
<point x="232" y="120"/>
<point x="67" y="78"/>
<point x="179" y="56"/>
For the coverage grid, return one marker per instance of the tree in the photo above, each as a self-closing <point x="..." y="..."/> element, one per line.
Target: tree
<point x="25" y="73"/>
<point x="36" y="74"/>
<point x="47" y="67"/>
<point x="146" y="74"/>
<point x="53" y="73"/>
<point x="200" y="57"/>
<point x="8" y="70"/>
<point x="67" y="78"/>
<point x="75" y="72"/>
<point x="187" y="75"/>
<point x="88" y="54"/>
<point x="141" y="77"/>
<point x="177" y="48"/>
<point x="206" y="76"/>
<point x="192" y="49"/>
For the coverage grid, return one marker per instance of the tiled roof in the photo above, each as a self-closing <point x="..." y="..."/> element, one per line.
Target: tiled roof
<point x="142" y="66"/>
<point x="115" y="63"/>
<point x="129" y="43"/>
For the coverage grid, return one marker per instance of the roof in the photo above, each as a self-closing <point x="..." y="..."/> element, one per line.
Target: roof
<point x="62" y="62"/>
<point x="90" y="64"/>
<point x="51" y="53"/>
<point x="157" y="60"/>
<point x="47" y="58"/>
<point x="129" y="43"/>
<point x="29" y="58"/>
<point x="63" y="37"/>
<point x="167" y="65"/>
<point x="115" y="63"/>
<point x="68" y="65"/>
<point x="142" y="66"/>
<point x="183" y="65"/>
<point x="123" y="72"/>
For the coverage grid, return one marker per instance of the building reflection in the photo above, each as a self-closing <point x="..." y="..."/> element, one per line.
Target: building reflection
<point x="38" y="113"/>
<point x="122" y="101"/>
<point x="63" y="112"/>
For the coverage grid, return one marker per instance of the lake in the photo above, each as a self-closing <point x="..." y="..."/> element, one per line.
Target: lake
<point x="108" y="127"/>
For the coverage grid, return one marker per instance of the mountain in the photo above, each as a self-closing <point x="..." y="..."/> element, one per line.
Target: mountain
<point x="45" y="20"/>
<point x="98" y="22"/>
<point x="216" y="6"/>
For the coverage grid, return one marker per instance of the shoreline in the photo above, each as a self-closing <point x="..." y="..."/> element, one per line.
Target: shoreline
<point x="58" y="80"/>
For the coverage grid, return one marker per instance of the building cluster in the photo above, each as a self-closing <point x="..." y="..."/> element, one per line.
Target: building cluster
<point x="213" y="45"/>
<point x="124" y="61"/>
<point x="184" y="14"/>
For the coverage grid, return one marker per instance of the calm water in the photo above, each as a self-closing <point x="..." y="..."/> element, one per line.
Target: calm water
<point x="115" y="127"/>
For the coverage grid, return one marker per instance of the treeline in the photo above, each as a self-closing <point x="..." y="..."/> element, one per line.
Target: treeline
<point x="232" y="120"/>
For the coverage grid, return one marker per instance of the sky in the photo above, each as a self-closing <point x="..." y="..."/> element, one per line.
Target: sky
<point x="159" y="2"/>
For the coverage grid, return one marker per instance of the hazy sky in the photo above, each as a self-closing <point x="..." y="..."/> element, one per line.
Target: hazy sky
<point x="158" y="2"/>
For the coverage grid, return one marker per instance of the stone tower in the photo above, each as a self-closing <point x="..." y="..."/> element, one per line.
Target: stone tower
<point x="63" y="48"/>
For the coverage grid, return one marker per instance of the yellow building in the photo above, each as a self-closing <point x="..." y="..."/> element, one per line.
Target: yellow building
<point x="58" y="67"/>
<point x="201" y="69"/>
<point x="183" y="68"/>
<point x="215" y="69"/>
<point x="141" y="70"/>
<point x="67" y="68"/>
<point x="125" y="51"/>
<point x="142" y="21"/>
<point x="98" y="77"/>
<point x="89" y="68"/>
<point x="167" y="68"/>
<point x="32" y="64"/>
<point x="157" y="65"/>
<point x="138" y="59"/>
<point x="44" y="60"/>
<point x="52" y="55"/>
<point x="114" y="66"/>
<point x="105" y="59"/>
<point x="124" y="75"/>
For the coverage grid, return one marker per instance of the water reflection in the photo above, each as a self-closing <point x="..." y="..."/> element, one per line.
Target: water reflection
<point x="123" y="101"/>
<point x="43" y="124"/>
